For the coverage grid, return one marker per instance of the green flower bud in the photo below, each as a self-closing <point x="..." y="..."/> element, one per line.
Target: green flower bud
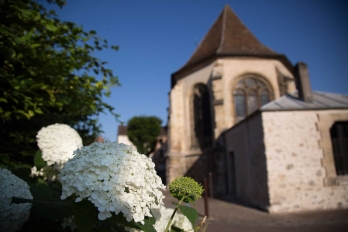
<point x="187" y="188"/>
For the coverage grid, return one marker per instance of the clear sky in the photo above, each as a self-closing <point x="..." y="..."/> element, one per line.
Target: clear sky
<point x="156" y="38"/>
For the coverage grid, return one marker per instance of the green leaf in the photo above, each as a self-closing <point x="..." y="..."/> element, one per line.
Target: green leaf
<point x="148" y="226"/>
<point x="48" y="209"/>
<point x="22" y="172"/>
<point x="190" y="213"/>
<point x="176" y="229"/>
<point x="85" y="214"/>
<point x="51" y="27"/>
<point x="38" y="161"/>
<point x="41" y="191"/>
<point x="3" y="100"/>
<point x="120" y="219"/>
<point x="35" y="45"/>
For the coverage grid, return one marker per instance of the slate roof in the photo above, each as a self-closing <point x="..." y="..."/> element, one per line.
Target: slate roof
<point x="229" y="37"/>
<point x="321" y="100"/>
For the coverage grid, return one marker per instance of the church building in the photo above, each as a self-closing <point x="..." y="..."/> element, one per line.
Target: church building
<point x="245" y="113"/>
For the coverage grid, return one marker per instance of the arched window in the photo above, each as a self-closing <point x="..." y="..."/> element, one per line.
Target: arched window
<point x="201" y="125"/>
<point x="249" y="95"/>
<point x="339" y="139"/>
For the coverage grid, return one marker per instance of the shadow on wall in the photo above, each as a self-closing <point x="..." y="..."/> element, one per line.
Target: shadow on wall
<point x="201" y="165"/>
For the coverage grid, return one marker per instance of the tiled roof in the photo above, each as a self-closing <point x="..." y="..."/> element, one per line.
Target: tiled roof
<point x="228" y="36"/>
<point x="122" y="130"/>
<point x="321" y="100"/>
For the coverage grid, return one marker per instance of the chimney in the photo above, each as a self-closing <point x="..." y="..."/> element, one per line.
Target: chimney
<point x="303" y="84"/>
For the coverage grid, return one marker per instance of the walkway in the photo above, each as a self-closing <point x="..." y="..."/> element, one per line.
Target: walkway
<point x="226" y="216"/>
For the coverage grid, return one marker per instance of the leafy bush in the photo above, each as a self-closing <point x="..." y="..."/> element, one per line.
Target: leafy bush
<point x="143" y="131"/>
<point x="48" y="75"/>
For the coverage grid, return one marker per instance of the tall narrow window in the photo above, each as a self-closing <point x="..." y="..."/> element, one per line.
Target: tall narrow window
<point x="264" y="97"/>
<point x="252" y="101"/>
<point x="339" y="139"/>
<point x="239" y="101"/>
<point x="202" y="125"/>
<point x="249" y="95"/>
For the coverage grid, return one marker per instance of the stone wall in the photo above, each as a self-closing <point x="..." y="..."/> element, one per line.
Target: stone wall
<point x="183" y="160"/>
<point x="220" y="76"/>
<point x="236" y="68"/>
<point x="295" y="162"/>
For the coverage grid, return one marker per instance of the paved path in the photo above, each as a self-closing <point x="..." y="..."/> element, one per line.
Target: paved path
<point x="226" y="216"/>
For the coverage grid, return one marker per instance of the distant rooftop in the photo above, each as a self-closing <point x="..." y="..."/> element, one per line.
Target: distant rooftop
<point x="122" y="130"/>
<point x="321" y="100"/>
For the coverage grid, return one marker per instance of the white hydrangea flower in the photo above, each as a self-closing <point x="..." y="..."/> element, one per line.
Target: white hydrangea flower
<point x="48" y="173"/>
<point x="68" y="223"/>
<point x="57" y="143"/>
<point x="115" y="178"/>
<point x="162" y="216"/>
<point x="13" y="216"/>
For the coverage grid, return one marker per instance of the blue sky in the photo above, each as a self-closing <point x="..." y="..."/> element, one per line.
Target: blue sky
<point x="156" y="38"/>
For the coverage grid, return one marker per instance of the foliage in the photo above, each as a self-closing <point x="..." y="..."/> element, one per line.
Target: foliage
<point x="46" y="68"/>
<point x="142" y="131"/>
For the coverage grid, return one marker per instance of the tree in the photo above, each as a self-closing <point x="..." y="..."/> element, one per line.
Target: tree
<point x="48" y="75"/>
<point x="142" y="131"/>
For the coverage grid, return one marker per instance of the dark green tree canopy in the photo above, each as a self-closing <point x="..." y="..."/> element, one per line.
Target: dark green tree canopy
<point x="48" y="74"/>
<point x="143" y="131"/>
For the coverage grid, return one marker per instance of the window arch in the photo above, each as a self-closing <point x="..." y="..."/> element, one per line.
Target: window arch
<point x="201" y="126"/>
<point x="250" y="94"/>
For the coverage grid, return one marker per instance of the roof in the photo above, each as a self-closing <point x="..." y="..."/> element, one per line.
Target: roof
<point x="321" y="100"/>
<point x="230" y="37"/>
<point x="122" y="130"/>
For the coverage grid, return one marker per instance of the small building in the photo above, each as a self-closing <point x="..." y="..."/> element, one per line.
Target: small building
<point x="290" y="155"/>
<point x="122" y="136"/>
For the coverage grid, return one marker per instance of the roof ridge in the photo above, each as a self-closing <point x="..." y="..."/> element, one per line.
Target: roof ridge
<point x="223" y="28"/>
<point x="331" y="98"/>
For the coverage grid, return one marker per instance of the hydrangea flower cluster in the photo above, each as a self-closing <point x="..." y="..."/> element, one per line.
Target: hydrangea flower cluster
<point x="186" y="188"/>
<point x="162" y="216"/>
<point x="115" y="178"/>
<point x="57" y="143"/>
<point x="13" y="216"/>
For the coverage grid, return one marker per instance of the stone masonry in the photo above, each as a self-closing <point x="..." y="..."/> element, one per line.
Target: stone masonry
<point x="297" y="178"/>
